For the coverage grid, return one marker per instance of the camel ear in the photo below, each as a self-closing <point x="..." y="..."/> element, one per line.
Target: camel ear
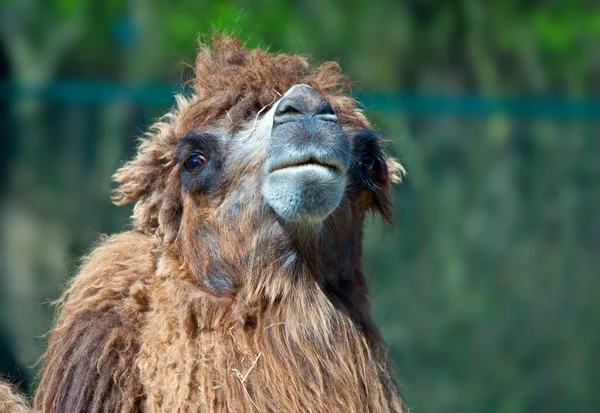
<point x="137" y="179"/>
<point x="396" y="171"/>
<point x="140" y="181"/>
<point x="393" y="174"/>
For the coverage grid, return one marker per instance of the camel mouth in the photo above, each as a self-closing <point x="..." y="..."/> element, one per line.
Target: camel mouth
<point x="330" y="165"/>
<point x="304" y="191"/>
<point x="306" y="174"/>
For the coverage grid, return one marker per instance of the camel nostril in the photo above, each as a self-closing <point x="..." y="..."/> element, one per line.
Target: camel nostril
<point x="322" y="107"/>
<point x="290" y="107"/>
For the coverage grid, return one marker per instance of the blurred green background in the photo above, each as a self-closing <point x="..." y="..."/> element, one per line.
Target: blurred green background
<point x="488" y="291"/>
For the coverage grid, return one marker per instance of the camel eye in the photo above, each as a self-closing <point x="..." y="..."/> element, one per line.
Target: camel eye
<point x="194" y="162"/>
<point x="367" y="161"/>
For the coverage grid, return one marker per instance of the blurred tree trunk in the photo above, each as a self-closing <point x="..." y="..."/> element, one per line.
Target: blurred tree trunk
<point x="34" y="244"/>
<point x="51" y="199"/>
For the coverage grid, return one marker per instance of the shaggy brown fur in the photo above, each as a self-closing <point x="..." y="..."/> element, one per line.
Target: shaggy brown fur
<point x="203" y="309"/>
<point x="10" y="401"/>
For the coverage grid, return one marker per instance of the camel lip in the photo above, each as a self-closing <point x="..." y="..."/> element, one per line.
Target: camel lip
<point x="310" y="161"/>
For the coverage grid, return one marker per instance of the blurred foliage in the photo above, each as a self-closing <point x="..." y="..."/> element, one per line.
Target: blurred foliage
<point x="487" y="291"/>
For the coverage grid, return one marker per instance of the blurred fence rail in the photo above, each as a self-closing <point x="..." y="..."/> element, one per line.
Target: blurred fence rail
<point x="486" y="294"/>
<point x="160" y="95"/>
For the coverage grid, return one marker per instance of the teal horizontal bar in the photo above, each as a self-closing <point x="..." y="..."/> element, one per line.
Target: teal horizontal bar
<point x="93" y="92"/>
<point x="480" y="106"/>
<point x="410" y="104"/>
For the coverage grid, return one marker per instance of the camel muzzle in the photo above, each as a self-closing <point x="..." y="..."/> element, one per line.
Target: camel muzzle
<point x="308" y="156"/>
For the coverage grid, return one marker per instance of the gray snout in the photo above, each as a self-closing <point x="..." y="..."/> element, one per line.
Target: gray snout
<point x="307" y="157"/>
<point x="302" y="102"/>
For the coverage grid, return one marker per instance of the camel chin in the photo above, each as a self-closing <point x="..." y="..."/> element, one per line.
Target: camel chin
<point x="304" y="193"/>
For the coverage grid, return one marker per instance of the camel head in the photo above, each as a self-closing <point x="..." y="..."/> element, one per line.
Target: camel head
<point x="268" y="167"/>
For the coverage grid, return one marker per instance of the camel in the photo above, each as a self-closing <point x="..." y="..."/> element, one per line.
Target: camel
<point x="239" y="287"/>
